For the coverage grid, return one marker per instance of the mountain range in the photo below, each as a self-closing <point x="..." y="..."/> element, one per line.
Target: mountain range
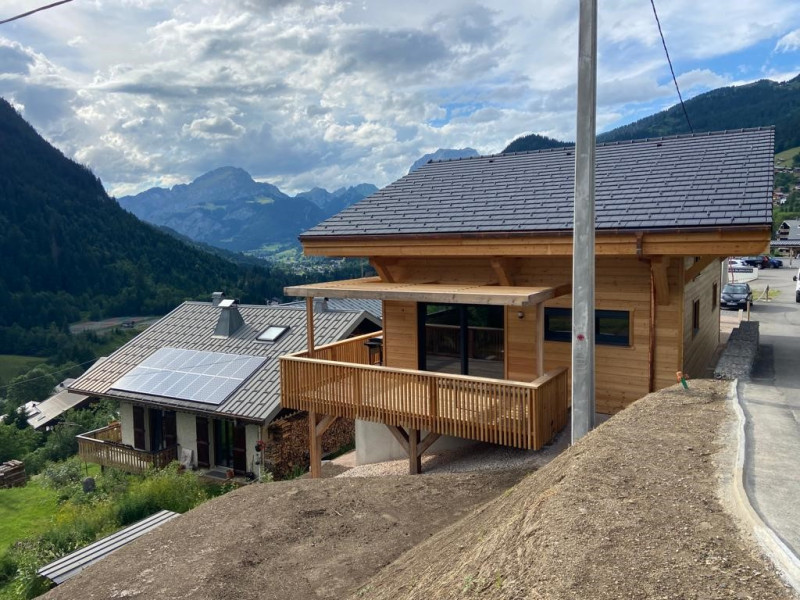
<point x="70" y="251"/>
<point x="226" y="208"/>
<point x="758" y="104"/>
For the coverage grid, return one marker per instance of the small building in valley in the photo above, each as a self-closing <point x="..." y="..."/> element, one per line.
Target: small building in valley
<point x="474" y="263"/>
<point x="202" y="384"/>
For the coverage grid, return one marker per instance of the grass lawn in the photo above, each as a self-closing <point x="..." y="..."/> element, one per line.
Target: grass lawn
<point x="12" y="365"/>
<point x="25" y="511"/>
<point x="784" y="159"/>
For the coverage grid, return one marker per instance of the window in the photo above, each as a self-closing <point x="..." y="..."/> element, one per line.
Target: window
<point x="611" y="327"/>
<point x="462" y="339"/>
<point x="695" y="318"/>
<point x="272" y="333"/>
<point x="714" y="296"/>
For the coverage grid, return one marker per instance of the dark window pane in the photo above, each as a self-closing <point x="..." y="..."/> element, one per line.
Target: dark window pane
<point x="612" y="327"/>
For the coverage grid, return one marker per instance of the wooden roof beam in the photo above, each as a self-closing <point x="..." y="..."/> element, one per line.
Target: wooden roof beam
<point x="697" y="268"/>
<point x="502" y="268"/>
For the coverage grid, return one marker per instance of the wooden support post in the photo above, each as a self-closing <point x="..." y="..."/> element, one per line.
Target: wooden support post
<point x="310" y="326"/>
<point x="414" y="459"/>
<point x="317" y="425"/>
<point x="697" y="268"/>
<point x="540" y="339"/>
<point x="314" y="447"/>
<point x="412" y="445"/>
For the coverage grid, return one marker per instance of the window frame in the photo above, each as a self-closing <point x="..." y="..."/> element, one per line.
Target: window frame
<point x="561" y="335"/>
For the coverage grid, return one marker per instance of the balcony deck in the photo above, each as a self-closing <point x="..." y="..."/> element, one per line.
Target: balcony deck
<point x="337" y="381"/>
<point x="104" y="447"/>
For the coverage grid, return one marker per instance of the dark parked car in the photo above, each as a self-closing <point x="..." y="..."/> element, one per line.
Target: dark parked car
<point x="735" y="295"/>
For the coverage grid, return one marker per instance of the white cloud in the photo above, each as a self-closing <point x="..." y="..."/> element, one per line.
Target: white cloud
<point x="307" y="93"/>
<point x="790" y="42"/>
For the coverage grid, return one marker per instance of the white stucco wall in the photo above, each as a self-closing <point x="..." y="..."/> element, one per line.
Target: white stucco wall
<point x="126" y="421"/>
<point x="252" y="435"/>
<point x="187" y="434"/>
<point x="375" y="444"/>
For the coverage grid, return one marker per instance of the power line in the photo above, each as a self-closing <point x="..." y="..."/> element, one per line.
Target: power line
<point x="10" y="385"/>
<point x="35" y="10"/>
<point x="671" y="70"/>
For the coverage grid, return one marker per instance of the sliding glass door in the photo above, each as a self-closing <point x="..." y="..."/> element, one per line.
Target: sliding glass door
<point x="462" y="339"/>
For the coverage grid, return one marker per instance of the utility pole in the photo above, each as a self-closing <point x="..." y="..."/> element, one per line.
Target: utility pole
<point x="583" y="334"/>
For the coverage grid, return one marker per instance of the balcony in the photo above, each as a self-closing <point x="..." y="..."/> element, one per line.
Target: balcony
<point x="338" y="381"/>
<point x="104" y="447"/>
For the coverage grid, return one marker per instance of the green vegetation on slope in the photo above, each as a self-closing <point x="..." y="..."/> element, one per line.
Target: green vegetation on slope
<point x="25" y="511"/>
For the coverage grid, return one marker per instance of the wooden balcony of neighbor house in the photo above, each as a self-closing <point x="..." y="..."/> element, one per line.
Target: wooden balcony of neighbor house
<point x="338" y="380"/>
<point x="104" y="447"/>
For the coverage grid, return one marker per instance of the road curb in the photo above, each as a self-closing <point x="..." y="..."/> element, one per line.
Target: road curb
<point x="781" y="555"/>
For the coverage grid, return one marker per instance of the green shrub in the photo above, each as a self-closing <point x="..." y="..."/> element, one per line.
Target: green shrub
<point x="8" y="568"/>
<point x="61" y="474"/>
<point x="167" y="489"/>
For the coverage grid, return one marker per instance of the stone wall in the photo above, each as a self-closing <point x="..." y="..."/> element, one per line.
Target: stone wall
<point x="736" y="361"/>
<point x="286" y="443"/>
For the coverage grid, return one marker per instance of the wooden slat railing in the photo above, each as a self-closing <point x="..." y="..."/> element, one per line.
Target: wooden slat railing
<point x="351" y="350"/>
<point x="518" y="414"/>
<point x="103" y="446"/>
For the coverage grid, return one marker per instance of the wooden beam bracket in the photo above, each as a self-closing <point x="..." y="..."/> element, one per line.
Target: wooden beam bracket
<point x="658" y="268"/>
<point x="381" y="266"/>
<point x="413" y="446"/>
<point x="697" y="268"/>
<point x="503" y="268"/>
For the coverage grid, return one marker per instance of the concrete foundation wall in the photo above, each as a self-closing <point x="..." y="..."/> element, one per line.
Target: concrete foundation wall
<point x="374" y="444"/>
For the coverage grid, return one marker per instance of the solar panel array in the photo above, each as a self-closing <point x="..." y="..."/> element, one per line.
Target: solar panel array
<point x="206" y="377"/>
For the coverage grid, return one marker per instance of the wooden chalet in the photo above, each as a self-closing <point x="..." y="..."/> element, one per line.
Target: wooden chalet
<point x="474" y="268"/>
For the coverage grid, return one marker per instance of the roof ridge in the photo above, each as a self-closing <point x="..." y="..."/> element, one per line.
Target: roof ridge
<point x="571" y="147"/>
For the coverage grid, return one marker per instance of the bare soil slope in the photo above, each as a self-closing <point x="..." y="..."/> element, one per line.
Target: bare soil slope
<point x="631" y="511"/>
<point x="292" y="539"/>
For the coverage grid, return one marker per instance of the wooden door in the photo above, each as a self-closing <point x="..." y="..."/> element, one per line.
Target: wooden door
<point x="239" y="449"/>
<point x="203" y="456"/>
<point x="138" y="428"/>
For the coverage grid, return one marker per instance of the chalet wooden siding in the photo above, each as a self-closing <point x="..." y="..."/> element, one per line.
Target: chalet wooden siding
<point x="668" y="351"/>
<point x="699" y="347"/>
<point x="623" y="374"/>
<point x="400" y="334"/>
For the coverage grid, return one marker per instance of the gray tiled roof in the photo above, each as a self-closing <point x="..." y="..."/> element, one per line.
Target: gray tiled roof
<point x="370" y="305"/>
<point x="191" y="326"/>
<point x="709" y="179"/>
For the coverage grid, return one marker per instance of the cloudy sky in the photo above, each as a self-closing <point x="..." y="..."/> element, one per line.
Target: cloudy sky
<point x="304" y="94"/>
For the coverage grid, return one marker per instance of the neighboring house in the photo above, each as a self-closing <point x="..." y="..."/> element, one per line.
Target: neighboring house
<point x="47" y="413"/>
<point x="202" y="384"/>
<point x="788" y="238"/>
<point x="475" y="269"/>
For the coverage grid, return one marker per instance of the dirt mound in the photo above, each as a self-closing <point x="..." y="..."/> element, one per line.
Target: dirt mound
<point x="630" y="512"/>
<point x="291" y="539"/>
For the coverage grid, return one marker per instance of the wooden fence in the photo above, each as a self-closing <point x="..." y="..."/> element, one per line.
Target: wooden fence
<point x="518" y="414"/>
<point x="103" y="446"/>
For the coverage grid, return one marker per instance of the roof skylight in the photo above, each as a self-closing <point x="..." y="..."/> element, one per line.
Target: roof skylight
<point x="272" y="333"/>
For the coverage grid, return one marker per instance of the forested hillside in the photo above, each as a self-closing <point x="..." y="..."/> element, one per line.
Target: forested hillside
<point x="758" y="104"/>
<point x="70" y="251"/>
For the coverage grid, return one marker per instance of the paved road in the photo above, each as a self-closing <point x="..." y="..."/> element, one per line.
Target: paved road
<point x="771" y="403"/>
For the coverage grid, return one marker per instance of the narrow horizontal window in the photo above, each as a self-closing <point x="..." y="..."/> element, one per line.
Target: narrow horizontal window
<point x="611" y="327"/>
<point x="272" y="333"/>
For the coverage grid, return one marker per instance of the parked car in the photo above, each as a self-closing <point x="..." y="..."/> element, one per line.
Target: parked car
<point x="736" y="263"/>
<point x="775" y="262"/>
<point x="736" y="295"/>
<point x="753" y="261"/>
